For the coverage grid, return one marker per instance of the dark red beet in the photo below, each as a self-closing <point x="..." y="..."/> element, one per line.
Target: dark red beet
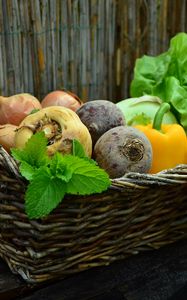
<point x="99" y="116"/>
<point x="123" y="149"/>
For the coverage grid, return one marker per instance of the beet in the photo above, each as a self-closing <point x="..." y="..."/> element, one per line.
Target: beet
<point x="123" y="149"/>
<point x="99" y="116"/>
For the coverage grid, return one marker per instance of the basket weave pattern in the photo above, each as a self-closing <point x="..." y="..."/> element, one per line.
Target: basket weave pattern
<point x="139" y="212"/>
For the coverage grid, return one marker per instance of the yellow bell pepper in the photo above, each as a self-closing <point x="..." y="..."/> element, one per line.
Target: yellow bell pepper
<point x="169" y="142"/>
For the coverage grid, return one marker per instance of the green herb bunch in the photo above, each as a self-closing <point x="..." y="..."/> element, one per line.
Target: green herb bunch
<point x="51" y="178"/>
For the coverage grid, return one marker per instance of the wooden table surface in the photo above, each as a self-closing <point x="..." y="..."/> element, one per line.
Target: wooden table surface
<point x="154" y="275"/>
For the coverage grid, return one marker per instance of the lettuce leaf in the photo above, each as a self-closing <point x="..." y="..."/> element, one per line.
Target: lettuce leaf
<point x="165" y="76"/>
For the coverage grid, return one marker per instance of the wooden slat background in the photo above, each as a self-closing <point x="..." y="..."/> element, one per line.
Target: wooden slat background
<point x="86" y="46"/>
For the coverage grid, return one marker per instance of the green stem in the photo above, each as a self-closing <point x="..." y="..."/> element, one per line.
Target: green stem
<point x="157" y="122"/>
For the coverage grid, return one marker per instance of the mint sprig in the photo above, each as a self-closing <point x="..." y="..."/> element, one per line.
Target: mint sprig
<point x="43" y="194"/>
<point x="78" y="149"/>
<point x="51" y="178"/>
<point x="33" y="156"/>
<point x="87" y="178"/>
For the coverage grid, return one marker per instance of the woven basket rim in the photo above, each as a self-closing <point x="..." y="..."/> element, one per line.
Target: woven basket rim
<point x="173" y="176"/>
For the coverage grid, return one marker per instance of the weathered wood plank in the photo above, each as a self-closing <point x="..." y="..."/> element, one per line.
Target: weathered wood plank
<point x="86" y="46"/>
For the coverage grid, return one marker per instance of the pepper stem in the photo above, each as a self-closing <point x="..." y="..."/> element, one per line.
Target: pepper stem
<point x="157" y="122"/>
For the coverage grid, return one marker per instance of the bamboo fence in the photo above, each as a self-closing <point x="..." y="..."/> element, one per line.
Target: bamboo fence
<point x="86" y="46"/>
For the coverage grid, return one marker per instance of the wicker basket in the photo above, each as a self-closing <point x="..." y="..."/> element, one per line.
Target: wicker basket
<point x="139" y="212"/>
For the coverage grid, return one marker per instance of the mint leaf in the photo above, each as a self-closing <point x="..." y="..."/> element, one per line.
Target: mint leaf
<point x="27" y="170"/>
<point x="43" y="194"/>
<point x="59" y="168"/>
<point x="78" y="149"/>
<point x="91" y="161"/>
<point x="87" y="178"/>
<point x="35" y="151"/>
<point x="51" y="178"/>
<point x="19" y="154"/>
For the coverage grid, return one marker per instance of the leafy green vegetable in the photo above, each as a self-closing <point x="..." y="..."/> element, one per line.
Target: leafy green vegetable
<point x="142" y="119"/>
<point x="142" y="110"/>
<point x="165" y="76"/>
<point x="51" y="178"/>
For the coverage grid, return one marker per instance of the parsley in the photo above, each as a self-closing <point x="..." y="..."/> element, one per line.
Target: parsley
<point x="51" y="178"/>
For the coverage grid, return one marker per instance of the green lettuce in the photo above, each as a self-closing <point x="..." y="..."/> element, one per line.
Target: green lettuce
<point x="165" y="76"/>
